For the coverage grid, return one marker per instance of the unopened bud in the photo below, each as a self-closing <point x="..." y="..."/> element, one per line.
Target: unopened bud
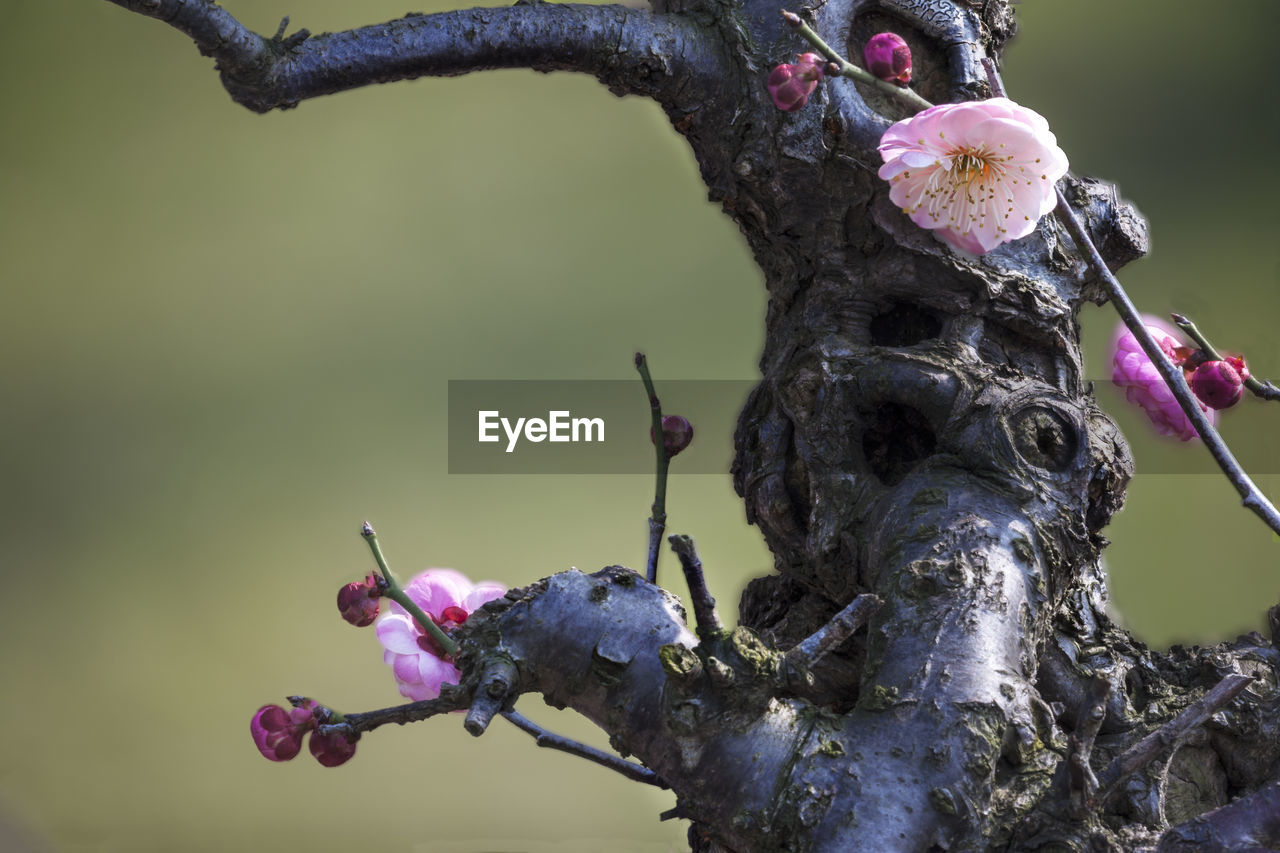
<point x="791" y="85"/>
<point x="677" y="432"/>
<point x="1218" y="384"/>
<point x="332" y="749"/>
<point x="888" y="57"/>
<point x="277" y="732"/>
<point x="358" y="602"/>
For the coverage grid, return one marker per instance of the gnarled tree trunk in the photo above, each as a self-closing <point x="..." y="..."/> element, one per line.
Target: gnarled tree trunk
<point x="922" y="433"/>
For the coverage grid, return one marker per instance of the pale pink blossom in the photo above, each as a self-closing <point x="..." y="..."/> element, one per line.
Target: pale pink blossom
<point x="419" y="665"/>
<point x="1134" y="372"/>
<point x="977" y="173"/>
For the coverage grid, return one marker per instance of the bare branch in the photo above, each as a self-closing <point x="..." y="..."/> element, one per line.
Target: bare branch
<point x="631" y="50"/>
<point x="1249" y="823"/>
<point x="551" y="740"/>
<point x="704" y="606"/>
<point x="452" y="698"/>
<point x="1149" y="748"/>
<point x="799" y="659"/>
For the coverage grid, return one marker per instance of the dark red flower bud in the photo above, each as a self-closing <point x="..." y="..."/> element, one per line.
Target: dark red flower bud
<point x="791" y="85"/>
<point x="332" y="749"/>
<point x="1218" y="384"/>
<point x="278" y="732"/>
<point x="888" y="57"/>
<point x="676" y="434"/>
<point x="358" y="602"/>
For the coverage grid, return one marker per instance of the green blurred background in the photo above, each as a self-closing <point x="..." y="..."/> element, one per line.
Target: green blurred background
<point x="225" y="341"/>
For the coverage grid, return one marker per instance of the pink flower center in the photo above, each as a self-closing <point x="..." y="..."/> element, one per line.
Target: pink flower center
<point x="969" y="165"/>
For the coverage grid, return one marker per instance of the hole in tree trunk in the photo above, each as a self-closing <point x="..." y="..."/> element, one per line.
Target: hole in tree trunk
<point x="895" y="439"/>
<point x="930" y="69"/>
<point x="904" y="325"/>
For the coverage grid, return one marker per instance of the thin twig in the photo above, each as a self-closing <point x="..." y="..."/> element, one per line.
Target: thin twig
<point x="706" y="622"/>
<point x="658" y="520"/>
<point x="354" y="724"/>
<point x="801" y="657"/>
<point x="848" y="69"/>
<point x="550" y="740"/>
<point x="1251" y="496"/>
<point x="1149" y="748"/>
<point x="1265" y="390"/>
<point x="396" y="593"/>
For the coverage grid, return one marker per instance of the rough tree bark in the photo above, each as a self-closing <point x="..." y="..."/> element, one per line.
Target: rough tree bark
<point x="922" y="433"/>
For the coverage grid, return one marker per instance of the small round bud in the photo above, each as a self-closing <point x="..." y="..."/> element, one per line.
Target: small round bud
<point x="332" y="749"/>
<point x="677" y="433"/>
<point x="791" y="85"/>
<point x="1217" y="384"/>
<point x="358" y="602"/>
<point x="888" y="57"/>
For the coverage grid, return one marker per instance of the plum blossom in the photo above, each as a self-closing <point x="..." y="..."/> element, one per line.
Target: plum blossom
<point x="418" y="663"/>
<point x="1134" y="372"/>
<point x="977" y="173"/>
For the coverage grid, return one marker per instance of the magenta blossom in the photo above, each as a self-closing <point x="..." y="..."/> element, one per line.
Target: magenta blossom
<point x="791" y="85"/>
<point x="418" y="663"/>
<point x="278" y="732"/>
<point x="977" y="173"/>
<point x="1135" y="373"/>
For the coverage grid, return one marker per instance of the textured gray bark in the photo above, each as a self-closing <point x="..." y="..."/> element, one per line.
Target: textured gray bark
<point x="922" y="432"/>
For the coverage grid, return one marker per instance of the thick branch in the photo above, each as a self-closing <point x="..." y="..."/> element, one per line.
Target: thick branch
<point x="1249" y="823"/>
<point x="631" y="50"/>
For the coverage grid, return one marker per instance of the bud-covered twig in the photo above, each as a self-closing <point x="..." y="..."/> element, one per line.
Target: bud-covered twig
<point x="1265" y="390"/>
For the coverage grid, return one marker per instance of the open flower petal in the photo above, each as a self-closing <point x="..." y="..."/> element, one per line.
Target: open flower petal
<point x="978" y="173"/>
<point x="417" y="662"/>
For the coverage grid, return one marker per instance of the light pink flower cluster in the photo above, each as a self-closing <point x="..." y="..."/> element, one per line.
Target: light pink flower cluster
<point x="977" y="173"/>
<point x="1135" y="373"/>
<point x="418" y="663"/>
